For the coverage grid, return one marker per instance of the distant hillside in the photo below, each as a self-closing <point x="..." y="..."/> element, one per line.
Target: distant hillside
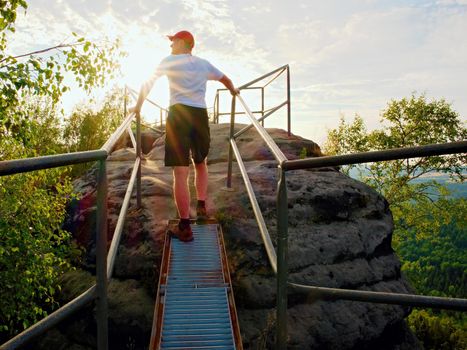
<point x="458" y="190"/>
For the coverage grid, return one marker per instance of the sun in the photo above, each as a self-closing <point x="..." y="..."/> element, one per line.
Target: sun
<point x="145" y="47"/>
<point x="144" y="52"/>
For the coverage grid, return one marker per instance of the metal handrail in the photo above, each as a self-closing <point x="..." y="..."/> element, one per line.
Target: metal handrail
<point x="132" y="137"/>
<point x="134" y="94"/>
<point x="217" y="114"/>
<point x="16" y="166"/>
<point x="458" y="304"/>
<point x="248" y="127"/>
<point x="279" y="262"/>
<point x="378" y="156"/>
<point x="285" y="66"/>
<point x="264" y="113"/>
<point x="275" y="77"/>
<point x="112" y="140"/>
<point x="111" y="255"/>
<point x="276" y="151"/>
<point x="256" y="209"/>
<point x="104" y="264"/>
<point x="51" y="320"/>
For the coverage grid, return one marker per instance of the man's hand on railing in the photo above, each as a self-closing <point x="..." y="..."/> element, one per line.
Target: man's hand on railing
<point x="229" y="85"/>
<point x="134" y="109"/>
<point x="235" y="91"/>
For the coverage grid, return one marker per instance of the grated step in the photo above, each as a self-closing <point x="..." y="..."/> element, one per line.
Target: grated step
<point x="195" y="295"/>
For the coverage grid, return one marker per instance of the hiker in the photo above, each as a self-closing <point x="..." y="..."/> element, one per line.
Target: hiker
<point x="187" y="125"/>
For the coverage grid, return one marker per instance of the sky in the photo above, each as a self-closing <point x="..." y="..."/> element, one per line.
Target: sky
<point x="346" y="58"/>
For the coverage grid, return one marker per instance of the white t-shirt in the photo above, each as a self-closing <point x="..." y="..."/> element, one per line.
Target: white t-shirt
<point x="187" y="76"/>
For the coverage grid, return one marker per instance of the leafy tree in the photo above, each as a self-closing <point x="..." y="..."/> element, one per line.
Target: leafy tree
<point x="42" y="72"/>
<point x="429" y="233"/>
<point x="34" y="249"/>
<point x="347" y="138"/>
<point x="41" y="134"/>
<point x="437" y="264"/>
<point x="438" y="332"/>
<point x="89" y="128"/>
<point x="406" y="123"/>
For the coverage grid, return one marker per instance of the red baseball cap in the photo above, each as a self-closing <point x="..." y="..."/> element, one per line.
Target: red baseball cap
<point x="186" y="36"/>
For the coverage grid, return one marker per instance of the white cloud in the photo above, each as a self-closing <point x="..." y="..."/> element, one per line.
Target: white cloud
<point x="258" y="9"/>
<point x="345" y="57"/>
<point x="452" y="2"/>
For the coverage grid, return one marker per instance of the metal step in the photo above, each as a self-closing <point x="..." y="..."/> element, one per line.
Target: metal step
<point x="195" y="308"/>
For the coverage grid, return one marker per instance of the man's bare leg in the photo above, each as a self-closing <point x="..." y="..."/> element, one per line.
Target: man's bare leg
<point x="182" y="200"/>
<point x="201" y="184"/>
<point x="201" y="180"/>
<point x="182" y="191"/>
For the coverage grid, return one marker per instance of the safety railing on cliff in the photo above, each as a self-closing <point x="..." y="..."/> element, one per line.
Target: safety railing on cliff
<point x="279" y="261"/>
<point x="104" y="261"/>
<point x="163" y="112"/>
<point x="273" y="75"/>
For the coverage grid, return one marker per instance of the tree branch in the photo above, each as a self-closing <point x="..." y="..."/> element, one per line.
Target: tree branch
<point x="57" y="47"/>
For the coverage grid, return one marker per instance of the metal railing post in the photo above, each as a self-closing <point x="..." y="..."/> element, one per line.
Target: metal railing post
<point x="124" y="102"/>
<point x="232" y="131"/>
<point x="217" y="108"/>
<point x="262" y="106"/>
<point x="282" y="266"/>
<point x="101" y="258"/>
<point x="288" y="102"/>
<point x="138" y="155"/>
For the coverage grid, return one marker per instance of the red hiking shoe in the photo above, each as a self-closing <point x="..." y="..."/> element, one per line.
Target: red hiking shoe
<point x="184" y="235"/>
<point x="201" y="214"/>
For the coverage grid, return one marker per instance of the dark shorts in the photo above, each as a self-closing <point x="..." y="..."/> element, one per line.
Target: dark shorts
<point x="187" y="129"/>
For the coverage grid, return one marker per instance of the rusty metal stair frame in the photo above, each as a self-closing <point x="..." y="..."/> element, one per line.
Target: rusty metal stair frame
<point x="195" y="306"/>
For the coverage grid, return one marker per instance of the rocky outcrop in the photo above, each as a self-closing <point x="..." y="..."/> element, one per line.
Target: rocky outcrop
<point x="339" y="236"/>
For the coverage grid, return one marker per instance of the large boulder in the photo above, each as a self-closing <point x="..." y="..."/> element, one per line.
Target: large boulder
<point x="340" y="234"/>
<point x="148" y="137"/>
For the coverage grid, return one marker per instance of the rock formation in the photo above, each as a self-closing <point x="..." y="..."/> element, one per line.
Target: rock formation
<point x="339" y="236"/>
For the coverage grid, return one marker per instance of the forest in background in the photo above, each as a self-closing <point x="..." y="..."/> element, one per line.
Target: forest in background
<point x="428" y="200"/>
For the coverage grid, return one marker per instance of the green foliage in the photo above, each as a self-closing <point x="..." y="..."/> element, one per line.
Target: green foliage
<point x="347" y="138"/>
<point x="33" y="247"/>
<point x="430" y="228"/>
<point x="42" y="72"/>
<point x="436" y="264"/>
<point x="89" y="128"/>
<point x="438" y="332"/>
<point x="34" y="250"/>
<point x="38" y="131"/>
<point x="224" y="218"/>
<point x="8" y="14"/>
<point x="406" y="123"/>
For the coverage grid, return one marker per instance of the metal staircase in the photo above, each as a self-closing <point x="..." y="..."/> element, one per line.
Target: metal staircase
<point x="195" y="307"/>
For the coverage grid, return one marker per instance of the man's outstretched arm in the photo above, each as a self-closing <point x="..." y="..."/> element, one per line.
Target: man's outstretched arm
<point x="143" y="92"/>
<point x="229" y="85"/>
